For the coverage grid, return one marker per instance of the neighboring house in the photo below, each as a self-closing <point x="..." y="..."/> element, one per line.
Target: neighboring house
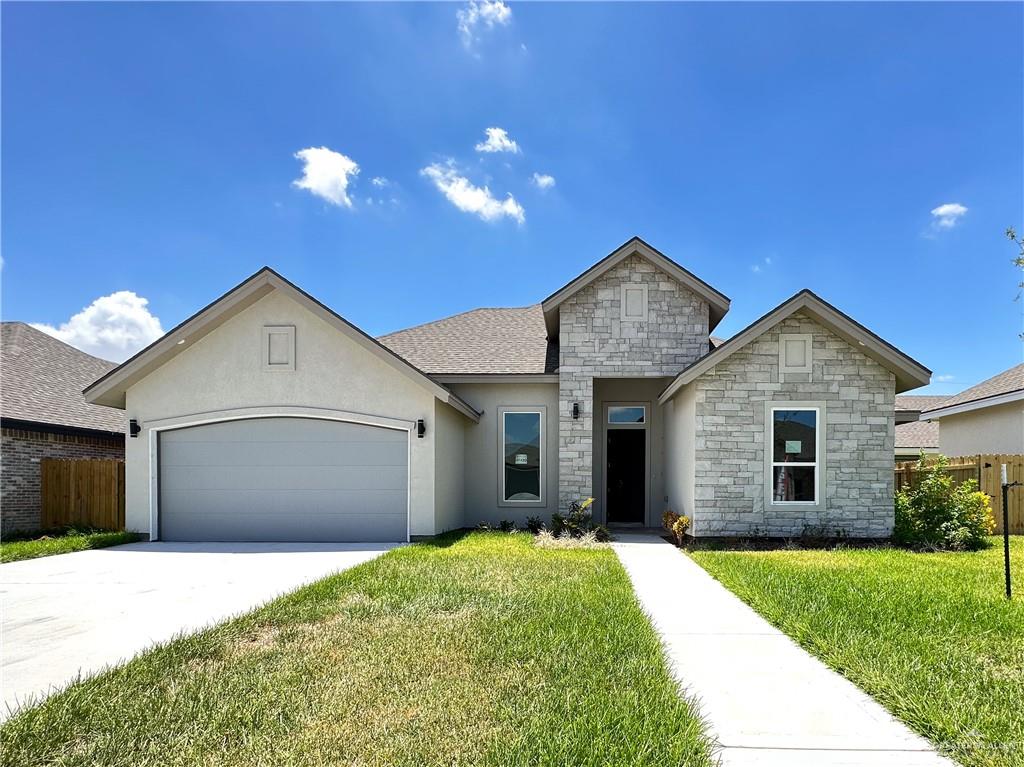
<point x="914" y="436"/>
<point x="43" y="414"/>
<point x="267" y="416"/>
<point x="985" y="419"/>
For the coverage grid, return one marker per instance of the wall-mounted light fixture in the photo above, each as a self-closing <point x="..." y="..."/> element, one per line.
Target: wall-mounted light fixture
<point x="575" y="411"/>
<point x="134" y="428"/>
<point x="421" y="428"/>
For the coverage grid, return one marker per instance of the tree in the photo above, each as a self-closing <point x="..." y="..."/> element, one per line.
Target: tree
<point x="1018" y="261"/>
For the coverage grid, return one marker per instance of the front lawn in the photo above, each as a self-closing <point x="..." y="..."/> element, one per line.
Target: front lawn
<point x="61" y="542"/>
<point x="473" y="649"/>
<point x="930" y="636"/>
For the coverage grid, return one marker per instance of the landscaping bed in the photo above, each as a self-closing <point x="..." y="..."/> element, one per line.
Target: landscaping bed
<point x="476" y="648"/>
<point x="63" y="541"/>
<point x="929" y="635"/>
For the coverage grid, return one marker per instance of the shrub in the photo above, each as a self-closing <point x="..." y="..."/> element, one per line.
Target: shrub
<point x="935" y="514"/>
<point x="507" y="526"/>
<point x="534" y="524"/>
<point x="578" y="522"/>
<point x="679" y="527"/>
<point x="557" y="524"/>
<point x="589" y="540"/>
<point x="668" y="519"/>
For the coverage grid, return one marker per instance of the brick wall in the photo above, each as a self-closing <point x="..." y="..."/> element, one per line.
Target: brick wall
<point x="595" y="342"/>
<point x="730" y="471"/>
<point x="20" y="454"/>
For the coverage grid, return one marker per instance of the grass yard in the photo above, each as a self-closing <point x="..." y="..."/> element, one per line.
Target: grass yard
<point x="930" y="636"/>
<point x="61" y="542"/>
<point x="474" y="649"/>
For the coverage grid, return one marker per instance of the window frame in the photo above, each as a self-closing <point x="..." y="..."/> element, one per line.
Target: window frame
<point x="818" y="504"/>
<point x="808" y="341"/>
<point x="541" y="412"/>
<point x="618" y="424"/>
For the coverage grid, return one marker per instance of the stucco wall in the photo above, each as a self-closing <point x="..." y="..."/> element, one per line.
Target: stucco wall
<point x="998" y="429"/>
<point x="594" y="341"/>
<point x="680" y="414"/>
<point x="481" y="450"/>
<point x="223" y="371"/>
<point x="730" y="471"/>
<point x="449" y="467"/>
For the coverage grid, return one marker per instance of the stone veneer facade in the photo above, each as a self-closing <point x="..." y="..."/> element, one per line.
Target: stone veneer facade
<point x="595" y="342"/>
<point x="730" y="468"/>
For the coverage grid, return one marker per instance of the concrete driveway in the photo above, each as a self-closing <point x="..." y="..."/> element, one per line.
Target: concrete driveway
<point x="78" y="613"/>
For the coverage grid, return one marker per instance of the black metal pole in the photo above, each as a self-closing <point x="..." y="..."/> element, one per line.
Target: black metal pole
<point x="1006" y="541"/>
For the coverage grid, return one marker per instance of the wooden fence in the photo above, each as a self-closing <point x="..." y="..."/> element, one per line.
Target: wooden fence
<point x="986" y="470"/>
<point x="89" y="493"/>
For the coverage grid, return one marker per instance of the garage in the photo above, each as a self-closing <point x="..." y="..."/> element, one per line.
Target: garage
<point x="283" y="479"/>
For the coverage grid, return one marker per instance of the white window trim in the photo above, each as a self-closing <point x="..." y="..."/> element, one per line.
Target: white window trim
<point x="267" y="331"/>
<point x="541" y="412"/>
<point x="642" y="286"/>
<point x="808" y="340"/>
<point x="818" y="504"/>
<point x="625" y="424"/>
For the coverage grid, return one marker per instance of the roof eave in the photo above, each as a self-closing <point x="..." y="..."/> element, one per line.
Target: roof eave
<point x="974" y="404"/>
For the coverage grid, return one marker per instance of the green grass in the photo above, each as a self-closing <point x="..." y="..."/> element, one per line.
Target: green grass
<point x="474" y="649"/>
<point x="61" y="542"/>
<point x="930" y="636"/>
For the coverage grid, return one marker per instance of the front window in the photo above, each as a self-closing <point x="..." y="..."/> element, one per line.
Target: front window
<point x="627" y="414"/>
<point x="794" y="446"/>
<point x="521" y="441"/>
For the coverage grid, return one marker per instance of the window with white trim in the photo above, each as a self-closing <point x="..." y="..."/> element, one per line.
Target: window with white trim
<point x="795" y="454"/>
<point x="522" y="451"/>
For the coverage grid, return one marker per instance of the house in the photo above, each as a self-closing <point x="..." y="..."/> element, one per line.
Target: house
<point x="985" y="419"/>
<point x="43" y="414"/>
<point x="268" y="416"/>
<point x="914" y="436"/>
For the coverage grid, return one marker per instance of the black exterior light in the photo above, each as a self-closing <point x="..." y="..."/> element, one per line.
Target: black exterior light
<point x="421" y="428"/>
<point x="134" y="428"/>
<point x="575" y="411"/>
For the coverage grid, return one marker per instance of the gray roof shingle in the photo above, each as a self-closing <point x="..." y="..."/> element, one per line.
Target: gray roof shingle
<point x="919" y="402"/>
<point x="917" y="434"/>
<point x="41" y="380"/>
<point x="1008" y="381"/>
<point x="494" y="341"/>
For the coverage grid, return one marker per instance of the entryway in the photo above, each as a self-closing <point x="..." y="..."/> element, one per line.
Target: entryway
<point x="626" y="462"/>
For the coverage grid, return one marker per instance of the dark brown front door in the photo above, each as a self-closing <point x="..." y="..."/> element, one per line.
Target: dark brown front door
<point x="626" y="475"/>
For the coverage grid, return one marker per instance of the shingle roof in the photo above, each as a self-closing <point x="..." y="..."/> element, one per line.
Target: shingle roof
<point x="41" y="380"/>
<point x="917" y="434"/>
<point x="509" y="341"/>
<point x="1008" y="381"/>
<point x="919" y="402"/>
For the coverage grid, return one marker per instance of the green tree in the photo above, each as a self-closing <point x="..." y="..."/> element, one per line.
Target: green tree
<point x="1018" y="261"/>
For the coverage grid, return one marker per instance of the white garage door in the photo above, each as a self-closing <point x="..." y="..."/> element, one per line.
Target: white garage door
<point x="283" y="479"/>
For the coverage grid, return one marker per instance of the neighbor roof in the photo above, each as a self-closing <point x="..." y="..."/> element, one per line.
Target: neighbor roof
<point x="917" y="435"/>
<point x="481" y="341"/>
<point x="43" y="378"/>
<point x="909" y="372"/>
<point x="918" y="402"/>
<point x="718" y="302"/>
<point x="1008" y="386"/>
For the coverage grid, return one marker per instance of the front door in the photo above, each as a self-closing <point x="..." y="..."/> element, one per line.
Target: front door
<point x="626" y="464"/>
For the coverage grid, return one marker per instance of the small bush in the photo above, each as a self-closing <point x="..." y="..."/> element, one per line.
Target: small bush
<point x="668" y="519"/>
<point x="589" y="540"/>
<point x="534" y="524"/>
<point x="507" y="526"/>
<point x="935" y="514"/>
<point x="679" y="527"/>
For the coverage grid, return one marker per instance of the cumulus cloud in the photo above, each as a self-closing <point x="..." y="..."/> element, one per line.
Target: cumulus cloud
<point x="475" y="16"/>
<point x="944" y="378"/>
<point x="327" y="174"/>
<point x="113" y="327"/>
<point x="542" y="180"/>
<point x="947" y="216"/>
<point x="379" y="181"/>
<point x="467" y="197"/>
<point x="497" y="141"/>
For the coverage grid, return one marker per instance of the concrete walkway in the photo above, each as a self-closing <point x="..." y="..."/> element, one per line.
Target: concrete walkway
<point x="78" y="613"/>
<point x="766" y="701"/>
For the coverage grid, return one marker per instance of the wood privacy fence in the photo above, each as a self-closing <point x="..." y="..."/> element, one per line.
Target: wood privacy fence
<point x="89" y="493"/>
<point x="986" y="470"/>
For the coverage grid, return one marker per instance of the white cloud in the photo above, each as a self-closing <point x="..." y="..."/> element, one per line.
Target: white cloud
<point x="379" y="182"/>
<point x="486" y="14"/>
<point x="762" y="265"/>
<point x="497" y="141"/>
<point x="469" y="198"/>
<point x="948" y="215"/>
<point x="326" y="174"/>
<point x="113" y="327"/>
<point x="542" y="180"/>
<point x="944" y="378"/>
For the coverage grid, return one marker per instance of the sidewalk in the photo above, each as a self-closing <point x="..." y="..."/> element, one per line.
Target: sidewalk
<point x="766" y="701"/>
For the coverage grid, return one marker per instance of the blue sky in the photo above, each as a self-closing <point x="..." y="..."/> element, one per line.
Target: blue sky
<point x="151" y="153"/>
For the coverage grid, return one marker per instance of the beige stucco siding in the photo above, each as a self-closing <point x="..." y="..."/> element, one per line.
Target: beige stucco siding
<point x="449" y="467"/>
<point x="680" y="416"/>
<point x="997" y="429"/>
<point x="856" y="482"/>
<point x="482" y="450"/>
<point x="224" y="372"/>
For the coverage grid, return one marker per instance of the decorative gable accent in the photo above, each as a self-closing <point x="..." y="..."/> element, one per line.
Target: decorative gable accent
<point x="633" y="302"/>
<point x="795" y="353"/>
<point x="278" y="347"/>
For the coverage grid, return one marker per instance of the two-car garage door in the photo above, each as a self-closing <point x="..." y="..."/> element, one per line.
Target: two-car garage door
<point x="283" y="479"/>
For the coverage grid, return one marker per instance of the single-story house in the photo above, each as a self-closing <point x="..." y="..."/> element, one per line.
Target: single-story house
<point x="985" y="419"/>
<point x="43" y="414"/>
<point x="268" y="416"/>
<point x="914" y="436"/>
